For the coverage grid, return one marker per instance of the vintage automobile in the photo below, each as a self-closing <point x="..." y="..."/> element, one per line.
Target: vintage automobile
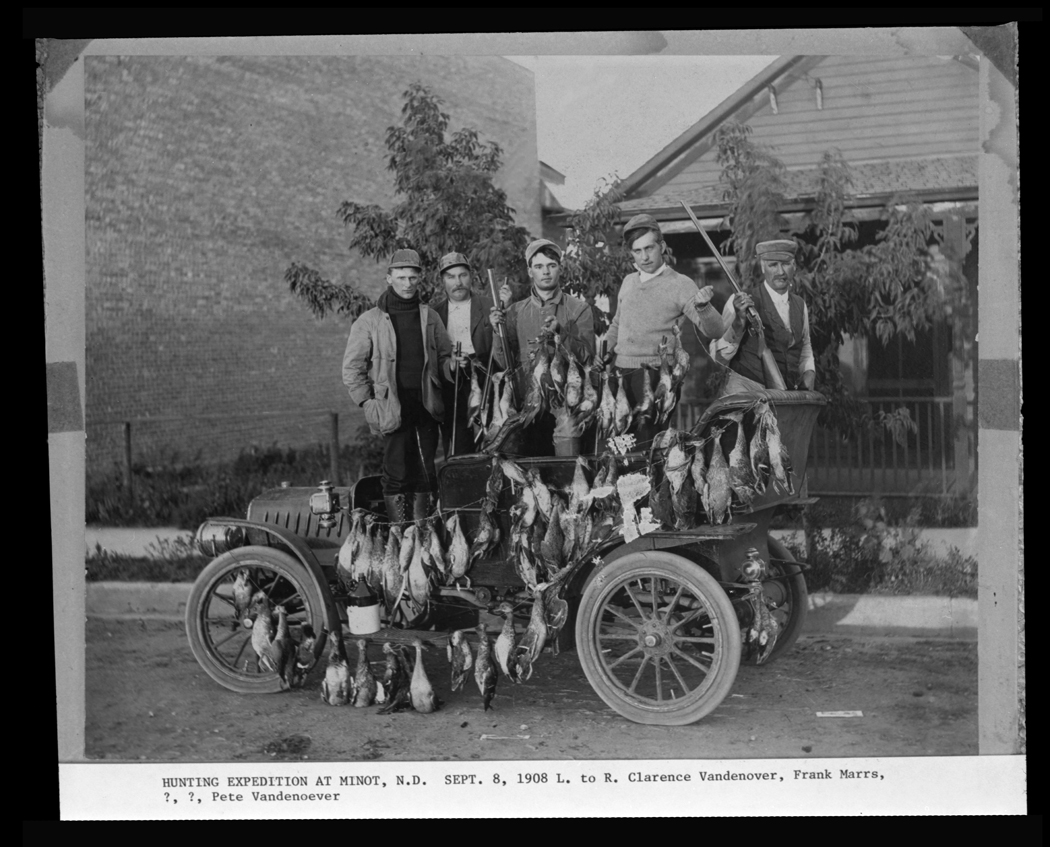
<point x="661" y="622"/>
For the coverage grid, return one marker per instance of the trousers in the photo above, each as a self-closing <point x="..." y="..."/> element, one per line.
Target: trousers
<point x="408" y="451"/>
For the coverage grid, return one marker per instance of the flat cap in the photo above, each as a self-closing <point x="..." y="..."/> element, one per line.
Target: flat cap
<point x="780" y="249"/>
<point x="640" y="222"/>
<point x="405" y="259"/>
<point x="450" y="260"/>
<point x="536" y="245"/>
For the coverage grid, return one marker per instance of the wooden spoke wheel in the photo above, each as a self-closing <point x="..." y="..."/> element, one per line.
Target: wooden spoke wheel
<point x="658" y="639"/>
<point x="220" y="628"/>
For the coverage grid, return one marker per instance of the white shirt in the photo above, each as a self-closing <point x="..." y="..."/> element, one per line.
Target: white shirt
<point x="459" y="324"/>
<point x="645" y="277"/>
<point x="729" y="343"/>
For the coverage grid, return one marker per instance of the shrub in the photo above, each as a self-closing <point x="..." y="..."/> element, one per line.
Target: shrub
<point x="872" y="556"/>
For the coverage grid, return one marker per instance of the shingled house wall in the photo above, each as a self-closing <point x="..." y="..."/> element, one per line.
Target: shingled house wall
<point x="205" y="178"/>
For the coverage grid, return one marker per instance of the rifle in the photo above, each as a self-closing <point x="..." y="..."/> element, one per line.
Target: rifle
<point x="769" y="364"/>
<point x="506" y="347"/>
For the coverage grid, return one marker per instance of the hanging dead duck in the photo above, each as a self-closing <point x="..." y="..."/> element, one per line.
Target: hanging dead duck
<point x="421" y="691"/>
<point x="335" y="690"/>
<point x="486" y="673"/>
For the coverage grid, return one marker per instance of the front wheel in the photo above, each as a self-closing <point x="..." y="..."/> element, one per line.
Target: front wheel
<point x="658" y="639"/>
<point x="218" y="621"/>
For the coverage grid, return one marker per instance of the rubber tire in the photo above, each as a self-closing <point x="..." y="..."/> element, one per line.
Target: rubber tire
<point x="661" y="564"/>
<point x="799" y="597"/>
<point x="219" y="570"/>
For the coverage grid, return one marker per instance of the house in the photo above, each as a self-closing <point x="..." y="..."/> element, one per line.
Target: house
<point x="550" y="205"/>
<point x="908" y="127"/>
<point x="205" y="178"/>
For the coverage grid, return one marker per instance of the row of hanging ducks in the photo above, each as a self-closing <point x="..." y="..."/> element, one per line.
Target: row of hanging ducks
<point x="577" y="390"/>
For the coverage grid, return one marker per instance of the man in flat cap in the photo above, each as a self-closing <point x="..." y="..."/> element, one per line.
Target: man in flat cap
<point x="398" y="358"/>
<point x="785" y="321"/>
<point x="652" y="300"/>
<point x="523" y="320"/>
<point x="464" y="312"/>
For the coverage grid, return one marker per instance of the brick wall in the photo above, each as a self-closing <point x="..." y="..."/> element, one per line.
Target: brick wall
<point x="205" y="178"/>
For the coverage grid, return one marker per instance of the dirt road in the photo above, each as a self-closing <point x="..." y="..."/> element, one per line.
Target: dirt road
<point x="147" y="699"/>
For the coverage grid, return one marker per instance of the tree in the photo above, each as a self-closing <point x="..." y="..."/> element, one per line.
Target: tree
<point x="881" y="289"/>
<point x="446" y="202"/>
<point x="594" y="264"/>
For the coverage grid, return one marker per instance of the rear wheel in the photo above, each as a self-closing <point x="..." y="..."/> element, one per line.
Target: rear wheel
<point x="658" y="639"/>
<point x="219" y="625"/>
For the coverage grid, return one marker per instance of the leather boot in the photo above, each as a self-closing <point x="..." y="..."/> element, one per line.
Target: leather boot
<point x="396" y="506"/>
<point x="421" y="505"/>
<point x="566" y="446"/>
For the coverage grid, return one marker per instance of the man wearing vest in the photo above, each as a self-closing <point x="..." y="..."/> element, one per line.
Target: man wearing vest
<point x="397" y="359"/>
<point x="650" y="303"/>
<point x="785" y="321"/>
<point x="465" y="314"/>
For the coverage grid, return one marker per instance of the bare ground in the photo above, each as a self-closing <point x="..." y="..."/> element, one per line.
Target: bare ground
<point x="147" y="699"/>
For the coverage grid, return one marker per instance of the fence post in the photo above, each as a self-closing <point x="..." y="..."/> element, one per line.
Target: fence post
<point x="333" y="448"/>
<point x="128" y="485"/>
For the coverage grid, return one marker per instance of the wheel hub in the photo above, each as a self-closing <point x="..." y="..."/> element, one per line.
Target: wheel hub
<point x="655" y="638"/>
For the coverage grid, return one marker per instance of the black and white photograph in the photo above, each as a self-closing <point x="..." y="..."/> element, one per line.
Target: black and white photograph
<point x="536" y="424"/>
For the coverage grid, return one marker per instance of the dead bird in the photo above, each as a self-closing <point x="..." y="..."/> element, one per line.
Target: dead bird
<point x="458" y="550"/>
<point x="573" y="384"/>
<point x="741" y="477"/>
<point x="335" y="690"/>
<point x="534" y="638"/>
<point x="364" y="685"/>
<point x="282" y="650"/>
<point x="506" y="401"/>
<point x="551" y="549"/>
<point x="646" y="409"/>
<point x="345" y="562"/>
<point x="395" y="680"/>
<point x="542" y="492"/>
<point x="242" y="595"/>
<point x="460" y="657"/>
<point x="719" y="492"/>
<point x="486" y="672"/>
<point x="622" y="413"/>
<point x="418" y="580"/>
<point x="607" y="408"/>
<point x="505" y="642"/>
<point x="559" y="368"/>
<point x="421" y="691"/>
<point x="305" y="656"/>
<point x="262" y="632"/>
<point x="589" y="400"/>
<point x="664" y="398"/>
<point x="759" y="455"/>
<point x="437" y="553"/>
<point x="474" y="400"/>
<point x="391" y="582"/>
<point x="698" y="470"/>
<point x="779" y="459"/>
<point x="683" y="493"/>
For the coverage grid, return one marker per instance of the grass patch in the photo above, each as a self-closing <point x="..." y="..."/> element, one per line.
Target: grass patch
<point x="173" y="492"/>
<point x="167" y="562"/>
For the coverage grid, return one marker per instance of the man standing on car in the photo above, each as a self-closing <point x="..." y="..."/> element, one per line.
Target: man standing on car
<point x="785" y="321"/>
<point x="651" y="302"/>
<point x="546" y="303"/>
<point x="397" y="359"/>
<point x="464" y="312"/>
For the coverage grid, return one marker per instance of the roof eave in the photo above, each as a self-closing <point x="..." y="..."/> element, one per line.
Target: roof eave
<point x="710" y="121"/>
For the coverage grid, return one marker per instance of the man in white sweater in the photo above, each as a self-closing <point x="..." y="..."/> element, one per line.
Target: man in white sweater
<point x="652" y="301"/>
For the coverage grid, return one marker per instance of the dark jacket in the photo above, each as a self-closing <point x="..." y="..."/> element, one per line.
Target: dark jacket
<point x="480" y="328"/>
